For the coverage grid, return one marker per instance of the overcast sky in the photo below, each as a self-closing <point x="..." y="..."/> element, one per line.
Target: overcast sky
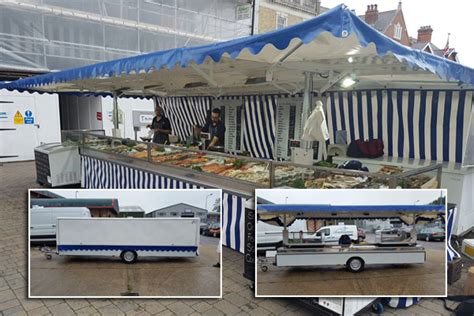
<point x="453" y="17"/>
<point x="148" y="200"/>
<point x="354" y="197"/>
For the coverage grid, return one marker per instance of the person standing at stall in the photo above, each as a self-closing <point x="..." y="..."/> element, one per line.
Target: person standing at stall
<point x="161" y="127"/>
<point x="216" y="128"/>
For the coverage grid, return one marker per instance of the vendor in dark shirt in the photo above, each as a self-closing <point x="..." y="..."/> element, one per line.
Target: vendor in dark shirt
<point x="216" y="128"/>
<point x="161" y="126"/>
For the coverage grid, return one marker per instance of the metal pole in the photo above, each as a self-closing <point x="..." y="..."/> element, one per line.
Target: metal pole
<point x="115" y="116"/>
<point x="252" y="29"/>
<point x="285" y="231"/>
<point x="307" y="102"/>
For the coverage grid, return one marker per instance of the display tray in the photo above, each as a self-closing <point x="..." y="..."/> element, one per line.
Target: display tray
<point x="241" y="175"/>
<point x="195" y="177"/>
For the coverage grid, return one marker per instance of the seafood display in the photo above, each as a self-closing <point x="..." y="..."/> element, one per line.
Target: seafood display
<point x="258" y="172"/>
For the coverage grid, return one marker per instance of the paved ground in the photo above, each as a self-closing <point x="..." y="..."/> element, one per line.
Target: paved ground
<point x="89" y="276"/>
<point x="15" y="178"/>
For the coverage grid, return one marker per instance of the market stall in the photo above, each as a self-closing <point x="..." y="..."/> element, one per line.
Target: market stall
<point x="266" y="83"/>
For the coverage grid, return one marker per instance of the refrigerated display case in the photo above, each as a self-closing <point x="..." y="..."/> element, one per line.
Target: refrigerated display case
<point x="241" y="175"/>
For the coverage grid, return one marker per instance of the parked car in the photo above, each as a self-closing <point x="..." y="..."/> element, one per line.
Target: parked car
<point x="392" y="235"/>
<point x="431" y="233"/>
<point x="213" y="229"/>
<point x="360" y="234"/>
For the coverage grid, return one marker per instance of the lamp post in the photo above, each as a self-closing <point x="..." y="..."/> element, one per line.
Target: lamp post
<point x="207" y="198"/>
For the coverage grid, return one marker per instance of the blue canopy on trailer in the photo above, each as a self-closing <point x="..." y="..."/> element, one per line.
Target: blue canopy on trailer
<point x="264" y="49"/>
<point x="294" y="209"/>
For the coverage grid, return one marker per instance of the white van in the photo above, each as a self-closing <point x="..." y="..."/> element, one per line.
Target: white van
<point x="332" y="234"/>
<point x="43" y="220"/>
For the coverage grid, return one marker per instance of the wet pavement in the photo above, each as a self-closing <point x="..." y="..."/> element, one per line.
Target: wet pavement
<point x="96" y="276"/>
<point x="416" y="279"/>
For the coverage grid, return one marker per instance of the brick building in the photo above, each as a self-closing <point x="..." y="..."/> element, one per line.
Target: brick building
<point x="390" y="23"/>
<point x="423" y="42"/>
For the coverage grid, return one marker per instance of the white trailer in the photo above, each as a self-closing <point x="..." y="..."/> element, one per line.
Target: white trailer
<point x="353" y="257"/>
<point x="128" y="238"/>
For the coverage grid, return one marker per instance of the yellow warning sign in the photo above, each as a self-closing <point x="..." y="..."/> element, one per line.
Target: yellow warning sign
<point x="18" y="118"/>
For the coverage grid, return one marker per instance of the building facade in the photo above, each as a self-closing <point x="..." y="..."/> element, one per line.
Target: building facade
<point x="180" y="210"/>
<point x="276" y="14"/>
<point x="131" y="211"/>
<point x="392" y="24"/>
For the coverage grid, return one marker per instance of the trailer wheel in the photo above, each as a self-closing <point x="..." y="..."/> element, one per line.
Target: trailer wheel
<point x="264" y="268"/>
<point x="355" y="264"/>
<point x="378" y="308"/>
<point x="128" y="256"/>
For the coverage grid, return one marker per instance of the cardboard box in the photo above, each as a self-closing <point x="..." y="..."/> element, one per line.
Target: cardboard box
<point x="468" y="248"/>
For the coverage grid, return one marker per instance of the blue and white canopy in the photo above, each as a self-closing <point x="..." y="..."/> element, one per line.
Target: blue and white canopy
<point x="347" y="211"/>
<point x="333" y="45"/>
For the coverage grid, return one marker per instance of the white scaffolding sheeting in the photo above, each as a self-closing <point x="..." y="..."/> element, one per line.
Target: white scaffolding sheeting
<point x="45" y="35"/>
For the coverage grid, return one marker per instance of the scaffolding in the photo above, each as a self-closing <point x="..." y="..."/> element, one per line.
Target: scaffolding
<point x="48" y="35"/>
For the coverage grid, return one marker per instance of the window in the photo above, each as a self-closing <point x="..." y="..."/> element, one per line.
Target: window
<point x="173" y="214"/>
<point x="281" y="20"/>
<point x="243" y="12"/>
<point x="200" y="214"/>
<point x="397" y="31"/>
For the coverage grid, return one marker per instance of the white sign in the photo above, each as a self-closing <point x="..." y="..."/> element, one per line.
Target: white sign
<point x="146" y="118"/>
<point x="282" y="129"/>
<point x="4" y="116"/>
<point x="288" y="124"/>
<point x="231" y="127"/>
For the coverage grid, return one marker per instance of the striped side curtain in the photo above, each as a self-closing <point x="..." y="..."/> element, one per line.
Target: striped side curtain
<point x="259" y="126"/>
<point x="431" y="125"/>
<point x="184" y="112"/>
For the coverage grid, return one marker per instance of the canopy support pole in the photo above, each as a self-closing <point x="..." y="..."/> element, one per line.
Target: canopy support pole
<point x="115" y="116"/>
<point x="307" y="102"/>
<point x="413" y="237"/>
<point x="285" y="231"/>
<point x="204" y="75"/>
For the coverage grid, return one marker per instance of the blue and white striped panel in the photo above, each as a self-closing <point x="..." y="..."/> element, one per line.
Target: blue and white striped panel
<point x="100" y="174"/>
<point x="259" y="125"/>
<point x="431" y="125"/>
<point x="451" y="252"/>
<point x="233" y="208"/>
<point x="401" y="302"/>
<point x="184" y="112"/>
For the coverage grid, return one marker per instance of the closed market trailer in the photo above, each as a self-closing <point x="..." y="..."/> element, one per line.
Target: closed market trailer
<point x="128" y="238"/>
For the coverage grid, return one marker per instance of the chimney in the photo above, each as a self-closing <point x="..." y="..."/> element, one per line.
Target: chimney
<point x="424" y="34"/>
<point x="372" y="14"/>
